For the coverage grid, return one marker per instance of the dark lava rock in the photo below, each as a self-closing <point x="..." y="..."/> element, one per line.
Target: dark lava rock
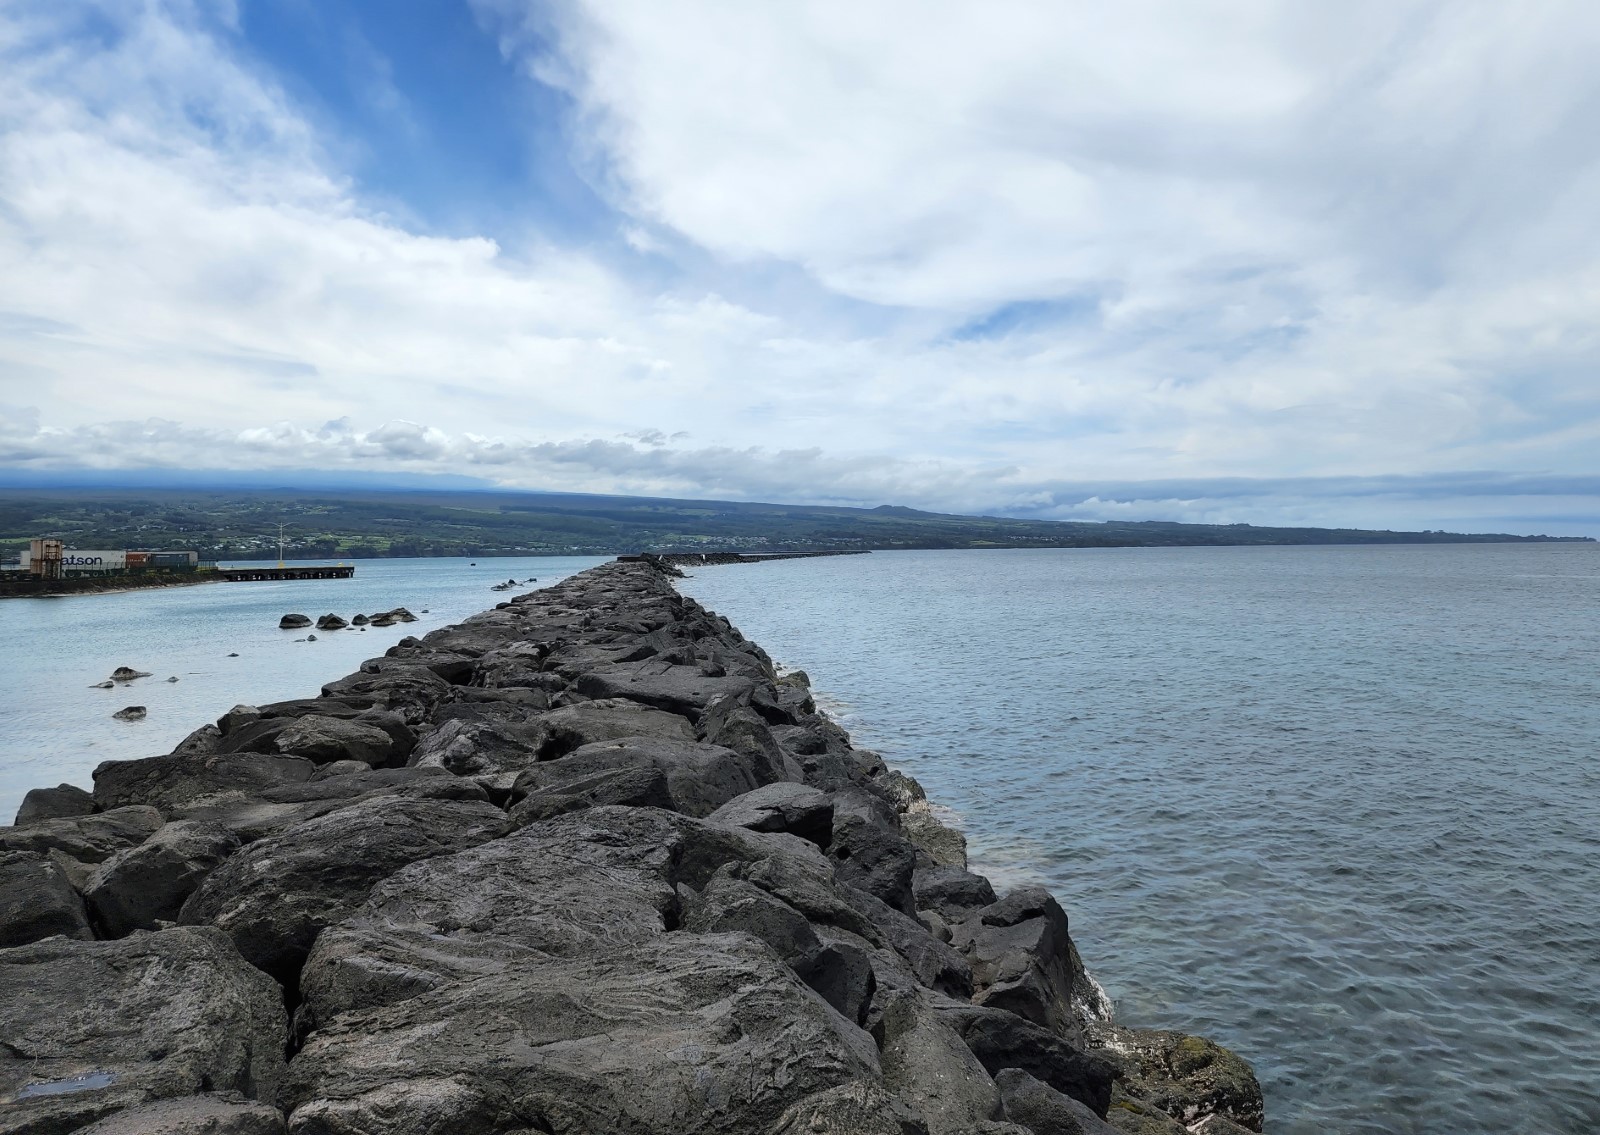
<point x="294" y="622"/>
<point x="728" y="904"/>
<point x="88" y="839"/>
<point x="939" y="842"/>
<point x="677" y="689"/>
<point x="677" y="1035"/>
<point x="232" y="1114"/>
<point x="875" y="858"/>
<point x="841" y="973"/>
<point x="700" y="778"/>
<point x="860" y="1107"/>
<point x="933" y="964"/>
<point x="321" y="739"/>
<point x="131" y="713"/>
<point x="183" y="782"/>
<point x="926" y="1064"/>
<point x="608" y="719"/>
<point x="331" y="622"/>
<point x="638" y="787"/>
<point x="90" y="1028"/>
<point x="37" y="900"/>
<point x="128" y="674"/>
<point x="781" y="807"/>
<point x="1001" y="1039"/>
<point x="1022" y="958"/>
<point x="1043" y="1110"/>
<point x="360" y="621"/>
<point x="275" y="895"/>
<point x="951" y="891"/>
<point x="140" y="885"/>
<point x="60" y="802"/>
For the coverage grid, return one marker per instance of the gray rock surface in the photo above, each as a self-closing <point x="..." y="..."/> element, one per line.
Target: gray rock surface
<point x="860" y="1107"/>
<point x="37" y="900"/>
<point x="275" y="895"/>
<point x="141" y="885"/>
<point x="700" y="778"/>
<point x="183" y="782"/>
<point x="322" y="739"/>
<point x="781" y="807"/>
<point x="926" y="1064"/>
<point x="61" y="802"/>
<point x="230" y="1114"/>
<point x="88" y="839"/>
<point x="1043" y="1110"/>
<point x="90" y="1028"/>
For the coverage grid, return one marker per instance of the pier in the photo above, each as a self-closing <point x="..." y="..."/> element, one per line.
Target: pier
<point x="264" y="574"/>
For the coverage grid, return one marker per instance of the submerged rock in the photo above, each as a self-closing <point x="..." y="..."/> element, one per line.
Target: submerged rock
<point x="128" y="674"/>
<point x="130" y="713"/>
<point x="294" y="622"/>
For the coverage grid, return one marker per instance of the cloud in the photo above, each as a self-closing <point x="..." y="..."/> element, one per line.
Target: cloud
<point x="993" y="257"/>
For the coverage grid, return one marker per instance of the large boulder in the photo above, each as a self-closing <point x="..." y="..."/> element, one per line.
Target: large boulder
<point x="953" y="892"/>
<point x="781" y="807"/>
<point x="275" y="895"/>
<point x="1001" y="1039"/>
<point x="609" y="719"/>
<point x="926" y="1064"/>
<point x="294" y="622"/>
<point x="700" y="778"/>
<point x="680" y="1034"/>
<point x="87" y="839"/>
<point x="139" y="886"/>
<point x="322" y="739"/>
<point x="181" y="783"/>
<point x="676" y="688"/>
<point x="1022" y="958"/>
<point x="62" y="801"/>
<point x="90" y="1028"/>
<point x="1043" y="1110"/>
<point x="37" y="900"/>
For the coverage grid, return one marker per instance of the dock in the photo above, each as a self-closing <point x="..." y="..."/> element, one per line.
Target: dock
<point x="265" y="574"/>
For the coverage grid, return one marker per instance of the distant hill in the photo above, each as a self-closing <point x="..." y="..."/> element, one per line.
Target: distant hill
<point x="348" y="523"/>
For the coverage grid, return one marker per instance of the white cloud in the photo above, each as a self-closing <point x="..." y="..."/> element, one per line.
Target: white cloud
<point x="1265" y="239"/>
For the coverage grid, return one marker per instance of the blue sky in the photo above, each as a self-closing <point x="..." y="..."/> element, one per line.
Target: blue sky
<point x="1216" y="260"/>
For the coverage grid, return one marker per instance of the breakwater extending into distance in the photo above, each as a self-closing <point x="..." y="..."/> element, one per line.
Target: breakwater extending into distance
<point x="581" y="863"/>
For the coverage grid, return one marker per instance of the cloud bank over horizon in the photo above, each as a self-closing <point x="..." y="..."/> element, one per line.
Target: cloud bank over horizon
<point x="1236" y="260"/>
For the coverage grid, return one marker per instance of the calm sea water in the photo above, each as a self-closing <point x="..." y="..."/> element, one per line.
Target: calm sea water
<point x="54" y="728"/>
<point x="1338" y="808"/>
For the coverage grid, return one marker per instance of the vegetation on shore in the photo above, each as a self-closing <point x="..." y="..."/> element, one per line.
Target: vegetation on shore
<point x="243" y="524"/>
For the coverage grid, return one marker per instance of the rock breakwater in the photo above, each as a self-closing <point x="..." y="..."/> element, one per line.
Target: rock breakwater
<point x="584" y="863"/>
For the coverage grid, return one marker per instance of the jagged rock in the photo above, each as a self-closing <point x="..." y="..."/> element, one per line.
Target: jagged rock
<point x="90" y="1028"/>
<point x="37" y="900"/>
<point x="360" y="621"/>
<point x="1135" y="1117"/>
<point x="942" y="844"/>
<point x="857" y="1108"/>
<point x="62" y="801"/>
<point x="206" y="739"/>
<point x="131" y="713"/>
<point x="655" y="682"/>
<point x="842" y="975"/>
<point x="934" y="964"/>
<point x="321" y="739"/>
<point x="340" y="768"/>
<point x="700" y="778"/>
<point x="128" y="674"/>
<point x="331" y="622"/>
<point x="238" y="716"/>
<point x="1022" y="958"/>
<point x="593" y="1044"/>
<point x="736" y="726"/>
<point x="232" y="1114"/>
<point x="275" y="895"/>
<point x="1187" y="1077"/>
<point x="951" y="891"/>
<point x="294" y="622"/>
<point x="1043" y="1110"/>
<point x="88" y="839"/>
<point x="638" y="787"/>
<point x="1001" y="1039"/>
<point x="781" y="807"/>
<point x="141" y="885"/>
<point x="108" y="684"/>
<point x="873" y="857"/>
<point x="927" y="1065"/>
<point x="902" y="790"/>
<point x="184" y="782"/>
<point x="608" y="719"/>
<point x="729" y="903"/>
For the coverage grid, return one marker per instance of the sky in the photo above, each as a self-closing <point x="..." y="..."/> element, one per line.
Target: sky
<point x="1223" y="261"/>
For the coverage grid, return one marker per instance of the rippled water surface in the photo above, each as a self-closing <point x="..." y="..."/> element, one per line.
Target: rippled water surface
<point x="1338" y="808"/>
<point x="54" y="728"/>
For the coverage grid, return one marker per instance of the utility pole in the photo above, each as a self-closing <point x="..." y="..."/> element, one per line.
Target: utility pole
<point x="280" y="544"/>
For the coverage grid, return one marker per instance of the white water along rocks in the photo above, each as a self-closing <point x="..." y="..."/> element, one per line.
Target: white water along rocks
<point x="581" y="864"/>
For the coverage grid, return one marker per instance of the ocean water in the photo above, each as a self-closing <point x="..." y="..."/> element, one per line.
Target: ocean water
<point x="1337" y="808"/>
<point x="54" y="728"/>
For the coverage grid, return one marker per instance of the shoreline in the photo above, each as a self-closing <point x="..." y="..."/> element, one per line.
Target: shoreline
<point x="109" y="585"/>
<point x="506" y="834"/>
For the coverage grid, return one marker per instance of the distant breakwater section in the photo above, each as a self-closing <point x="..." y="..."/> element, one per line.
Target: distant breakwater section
<point x="581" y="863"/>
<point x="696" y="559"/>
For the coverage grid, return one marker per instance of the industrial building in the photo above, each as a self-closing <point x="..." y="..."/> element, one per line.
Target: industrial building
<point x="51" y="559"/>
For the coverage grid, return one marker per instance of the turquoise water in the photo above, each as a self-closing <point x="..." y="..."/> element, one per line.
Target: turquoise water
<point x="1338" y="808"/>
<point x="54" y="728"/>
